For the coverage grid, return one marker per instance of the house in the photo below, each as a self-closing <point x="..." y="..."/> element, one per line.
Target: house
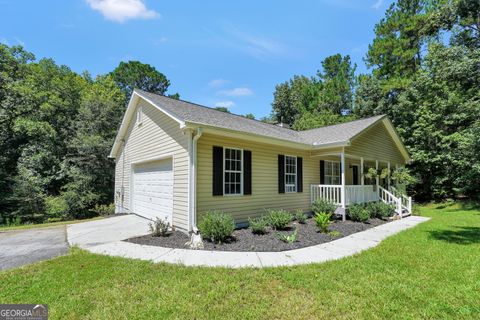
<point x="176" y="160"/>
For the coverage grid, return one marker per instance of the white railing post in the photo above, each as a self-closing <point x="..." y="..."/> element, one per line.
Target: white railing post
<point x="399" y="207"/>
<point x="410" y="205"/>
<point x="342" y="190"/>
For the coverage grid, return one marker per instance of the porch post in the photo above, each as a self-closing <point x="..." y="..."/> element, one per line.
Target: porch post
<point x="343" y="200"/>
<point x="377" y="179"/>
<point x="362" y="179"/>
<point x="388" y="180"/>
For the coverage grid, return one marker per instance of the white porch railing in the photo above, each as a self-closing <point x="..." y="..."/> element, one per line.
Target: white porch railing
<point x="361" y="194"/>
<point x="406" y="200"/>
<point x="331" y="193"/>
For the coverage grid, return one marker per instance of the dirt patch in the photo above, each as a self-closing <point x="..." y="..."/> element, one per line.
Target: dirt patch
<point x="244" y="240"/>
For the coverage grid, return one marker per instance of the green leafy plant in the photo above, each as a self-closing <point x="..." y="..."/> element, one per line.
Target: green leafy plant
<point x="334" y="234"/>
<point x="279" y="219"/>
<point x="323" y="206"/>
<point x="403" y="178"/>
<point x="216" y="226"/>
<point x="384" y="173"/>
<point x="258" y="225"/>
<point x="300" y="216"/>
<point x="358" y="212"/>
<point x="104" y="209"/>
<point x="159" y="227"/>
<point x="380" y="209"/>
<point x="56" y="207"/>
<point x="323" y="221"/>
<point x="288" y="238"/>
<point x="371" y="173"/>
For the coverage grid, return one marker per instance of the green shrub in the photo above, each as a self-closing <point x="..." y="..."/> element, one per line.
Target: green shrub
<point x="159" y="227"/>
<point x="279" y="219"/>
<point x="300" y="216"/>
<point x="323" y="221"/>
<point x="216" y="226"/>
<point x="56" y="207"/>
<point x="258" y="225"/>
<point x="358" y="212"/>
<point x="334" y="234"/>
<point x="288" y="238"/>
<point x="323" y="206"/>
<point x="104" y="209"/>
<point x="380" y="210"/>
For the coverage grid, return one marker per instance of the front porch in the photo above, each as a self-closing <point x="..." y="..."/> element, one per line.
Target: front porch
<point x="343" y="182"/>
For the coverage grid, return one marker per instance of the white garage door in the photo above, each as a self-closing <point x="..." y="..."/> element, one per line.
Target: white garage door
<point x="153" y="190"/>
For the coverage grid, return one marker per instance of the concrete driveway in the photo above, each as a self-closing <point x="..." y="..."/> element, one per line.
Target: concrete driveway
<point x="93" y="233"/>
<point x="22" y="247"/>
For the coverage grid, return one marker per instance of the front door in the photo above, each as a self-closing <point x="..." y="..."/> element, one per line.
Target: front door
<point x="355" y="175"/>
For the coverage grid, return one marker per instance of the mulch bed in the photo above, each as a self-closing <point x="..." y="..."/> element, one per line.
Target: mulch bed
<point x="244" y="240"/>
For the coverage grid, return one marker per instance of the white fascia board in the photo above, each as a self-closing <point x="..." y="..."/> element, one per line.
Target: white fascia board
<point x="128" y="117"/>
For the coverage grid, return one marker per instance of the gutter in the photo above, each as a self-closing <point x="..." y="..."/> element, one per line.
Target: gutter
<point x="193" y="181"/>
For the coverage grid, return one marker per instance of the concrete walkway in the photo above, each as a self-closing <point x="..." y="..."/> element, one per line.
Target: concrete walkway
<point x="333" y="250"/>
<point x="97" y="232"/>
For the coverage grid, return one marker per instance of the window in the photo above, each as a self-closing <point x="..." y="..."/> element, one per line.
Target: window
<point x="233" y="171"/>
<point x="332" y="172"/>
<point x="290" y="174"/>
<point x="139" y="115"/>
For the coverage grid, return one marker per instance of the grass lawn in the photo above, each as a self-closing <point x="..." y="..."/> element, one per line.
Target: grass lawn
<point x="46" y="225"/>
<point x="430" y="272"/>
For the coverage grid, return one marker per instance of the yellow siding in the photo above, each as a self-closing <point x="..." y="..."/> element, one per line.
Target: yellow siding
<point x="264" y="179"/>
<point x="376" y="144"/>
<point x="158" y="135"/>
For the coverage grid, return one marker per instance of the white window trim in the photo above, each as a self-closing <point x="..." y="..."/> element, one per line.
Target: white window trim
<point x="330" y="162"/>
<point x="294" y="174"/>
<point x="139" y="115"/>
<point x="233" y="171"/>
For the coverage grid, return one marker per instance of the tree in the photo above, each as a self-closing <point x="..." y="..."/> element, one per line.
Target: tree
<point x="134" y="74"/>
<point x="395" y="52"/>
<point x="223" y="109"/>
<point x="338" y="83"/>
<point x="316" y="119"/>
<point x="250" y="116"/>
<point x="329" y="92"/>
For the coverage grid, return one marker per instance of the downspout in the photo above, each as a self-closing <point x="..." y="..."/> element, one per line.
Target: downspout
<point x="122" y="187"/>
<point x="193" y="182"/>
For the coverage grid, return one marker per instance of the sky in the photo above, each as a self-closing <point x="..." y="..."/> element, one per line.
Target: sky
<point x="214" y="52"/>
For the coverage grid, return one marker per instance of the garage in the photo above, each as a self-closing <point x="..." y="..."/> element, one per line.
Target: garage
<point x="153" y="189"/>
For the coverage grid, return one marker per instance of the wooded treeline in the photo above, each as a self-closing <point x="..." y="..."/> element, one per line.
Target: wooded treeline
<point x="57" y="126"/>
<point x="425" y="62"/>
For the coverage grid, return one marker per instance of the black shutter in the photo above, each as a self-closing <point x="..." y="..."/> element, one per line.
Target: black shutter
<point x="299" y="174"/>
<point x="247" y="172"/>
<point x="322" y="172"/>
<point x="217" y="170"/>
<point x="281" y="173"/>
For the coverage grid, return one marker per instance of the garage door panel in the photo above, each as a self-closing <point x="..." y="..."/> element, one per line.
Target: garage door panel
<point x="153" y="189"/>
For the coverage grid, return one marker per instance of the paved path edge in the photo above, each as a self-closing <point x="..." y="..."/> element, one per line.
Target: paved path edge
<point x="337" y="249"/>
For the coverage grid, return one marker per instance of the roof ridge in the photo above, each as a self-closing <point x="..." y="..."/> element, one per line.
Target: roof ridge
<point x="347" y="122"/>
<point x="213" y="109"/>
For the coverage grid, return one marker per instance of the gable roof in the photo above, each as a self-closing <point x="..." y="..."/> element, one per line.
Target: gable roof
<point x="187" y="113"/>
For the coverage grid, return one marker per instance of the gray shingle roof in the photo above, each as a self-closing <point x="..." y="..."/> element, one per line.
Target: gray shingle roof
<point x="194" y="113"/>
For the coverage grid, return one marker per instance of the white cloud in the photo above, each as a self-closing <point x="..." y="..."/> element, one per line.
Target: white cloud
<point x="377" y="4"/>
<point x="160" y="41"/>
<point x="236" y="92"/>
<point x="122" y="10"/>
<point x="255" y="46"/>
<point x="225" y="104"/>
<point x="216" y="83"/>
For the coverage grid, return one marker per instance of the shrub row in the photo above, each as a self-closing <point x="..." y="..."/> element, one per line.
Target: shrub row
<point x="363" y="212"/>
